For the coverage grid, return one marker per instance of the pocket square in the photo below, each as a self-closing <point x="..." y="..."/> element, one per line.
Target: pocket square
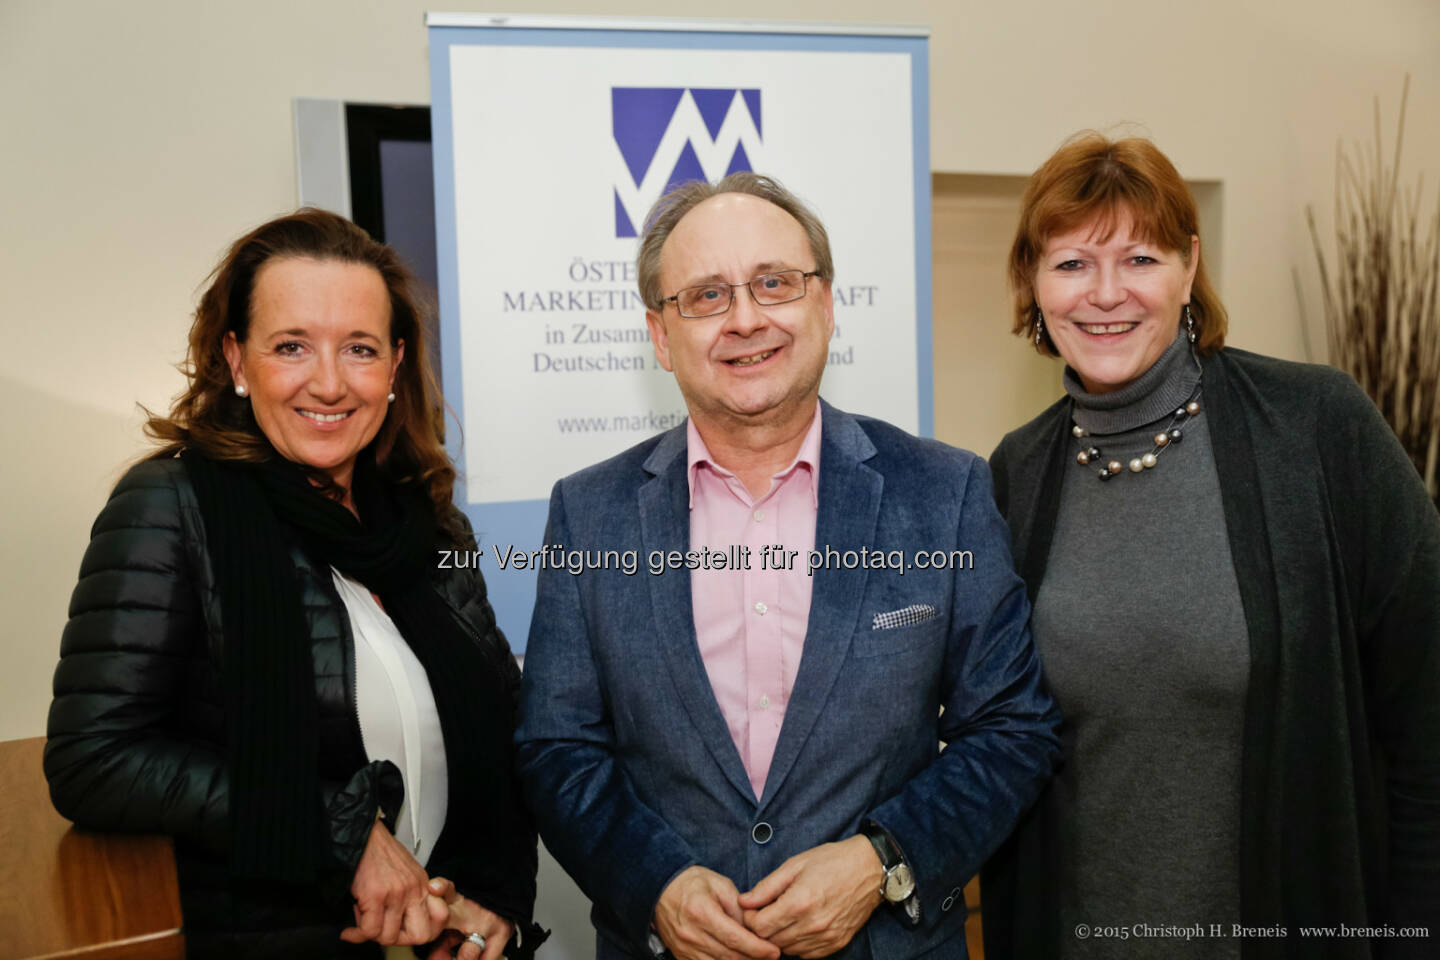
<point x="905" y="616"/>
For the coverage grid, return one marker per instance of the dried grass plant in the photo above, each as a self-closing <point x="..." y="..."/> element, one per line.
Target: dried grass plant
<point x="1381" y="314"/>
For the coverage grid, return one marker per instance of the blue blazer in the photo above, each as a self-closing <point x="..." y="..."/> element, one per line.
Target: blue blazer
<point x="625" y="756"/>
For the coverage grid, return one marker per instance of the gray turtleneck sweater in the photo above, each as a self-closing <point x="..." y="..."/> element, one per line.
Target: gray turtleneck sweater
<point x="1141" y="630"/>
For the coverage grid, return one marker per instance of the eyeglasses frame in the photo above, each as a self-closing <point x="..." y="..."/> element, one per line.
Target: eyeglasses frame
<point x="805" y="276"/>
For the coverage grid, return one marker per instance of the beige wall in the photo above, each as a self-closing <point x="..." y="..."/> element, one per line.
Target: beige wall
<point x="137" y="138"/>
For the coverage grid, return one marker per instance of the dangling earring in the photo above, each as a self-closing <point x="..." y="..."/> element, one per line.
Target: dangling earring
<point x="240" y="390"/>
<point x="1189" y="324"/>
<point x="390" y="398"/>
<point x="1039" y="326"/>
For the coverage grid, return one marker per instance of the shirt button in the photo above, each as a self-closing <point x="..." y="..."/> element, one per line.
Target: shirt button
<point x="760" y="607"/>
<point x="764" y="701"/>
<point x="762" y="833"/>
<point x="759" y="515"/>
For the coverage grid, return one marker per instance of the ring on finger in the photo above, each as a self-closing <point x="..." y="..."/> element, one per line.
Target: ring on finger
<point x="476" y="938"/>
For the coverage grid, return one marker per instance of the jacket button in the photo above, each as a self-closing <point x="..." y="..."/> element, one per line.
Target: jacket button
<point x="762" y="832"/>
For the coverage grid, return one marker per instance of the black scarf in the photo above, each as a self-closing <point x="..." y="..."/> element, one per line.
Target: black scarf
<point x="253" y="515"/>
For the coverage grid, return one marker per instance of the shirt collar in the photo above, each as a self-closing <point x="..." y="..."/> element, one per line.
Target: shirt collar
<point x="809" y="454"/>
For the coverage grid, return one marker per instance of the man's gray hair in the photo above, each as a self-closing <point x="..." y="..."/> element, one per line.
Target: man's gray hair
<point x="671" y="208"/>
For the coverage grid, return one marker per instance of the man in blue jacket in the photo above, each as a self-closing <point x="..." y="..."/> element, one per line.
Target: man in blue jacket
<point x="824" y="600"/>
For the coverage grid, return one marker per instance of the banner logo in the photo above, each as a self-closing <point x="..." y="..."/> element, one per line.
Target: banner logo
<point x="670" y="135"/>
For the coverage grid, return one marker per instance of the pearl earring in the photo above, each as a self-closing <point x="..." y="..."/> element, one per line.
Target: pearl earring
<point x="390" y="398"/>
<point x="1189" y="324"/>
<point x="240" y="390"/>
<point x="1039" y="326"/>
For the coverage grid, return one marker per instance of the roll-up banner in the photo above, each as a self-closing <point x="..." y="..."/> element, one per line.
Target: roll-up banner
<point x="553" y="136"/>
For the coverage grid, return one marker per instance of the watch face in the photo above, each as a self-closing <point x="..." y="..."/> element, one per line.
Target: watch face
<point x="899" y="883"/>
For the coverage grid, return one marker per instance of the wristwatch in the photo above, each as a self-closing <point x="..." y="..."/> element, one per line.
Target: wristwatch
<point x="898" y="884"/>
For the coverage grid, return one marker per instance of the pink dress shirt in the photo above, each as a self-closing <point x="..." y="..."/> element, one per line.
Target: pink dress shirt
<point x="750" y="622"/>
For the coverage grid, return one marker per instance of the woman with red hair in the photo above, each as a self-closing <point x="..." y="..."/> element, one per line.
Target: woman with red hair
<point x="1235" y="577"/>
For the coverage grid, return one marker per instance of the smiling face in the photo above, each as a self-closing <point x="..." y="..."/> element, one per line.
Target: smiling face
<point x="317" y="360"/>
<point x="1112" y="307"/>
<point x="752" y="365"/>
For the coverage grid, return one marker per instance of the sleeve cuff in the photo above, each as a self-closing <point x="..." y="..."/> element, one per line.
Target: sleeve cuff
<point x="351" y="813"/>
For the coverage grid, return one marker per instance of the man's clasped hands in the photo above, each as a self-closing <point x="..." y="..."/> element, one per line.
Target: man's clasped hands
<point x="809" y="907"/>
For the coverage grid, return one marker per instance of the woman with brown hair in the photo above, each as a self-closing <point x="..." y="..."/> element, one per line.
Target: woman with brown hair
<point x="264" y="658"/>
<point x="1233" y="568"/>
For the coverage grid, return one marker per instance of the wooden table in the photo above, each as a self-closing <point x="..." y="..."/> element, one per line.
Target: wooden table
<point x="66" y="892"/>
<point x="973" y="937"/>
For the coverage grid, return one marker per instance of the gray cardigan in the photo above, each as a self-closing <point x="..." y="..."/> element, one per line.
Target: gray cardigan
<point x="1337" y="552"/>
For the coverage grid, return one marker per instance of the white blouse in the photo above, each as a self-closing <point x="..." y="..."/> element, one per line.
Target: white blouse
<point x="398" y="720"/>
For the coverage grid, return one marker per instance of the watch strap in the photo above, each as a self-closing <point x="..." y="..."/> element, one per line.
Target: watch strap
<point x="892" y="860"/>
<point x="885" y="846"/>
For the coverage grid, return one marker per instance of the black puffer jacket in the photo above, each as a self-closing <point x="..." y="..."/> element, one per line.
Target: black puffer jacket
<point x="137" y="726"/>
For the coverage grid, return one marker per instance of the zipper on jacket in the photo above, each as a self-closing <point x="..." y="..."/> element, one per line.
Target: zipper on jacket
<point x="354" y="682"/>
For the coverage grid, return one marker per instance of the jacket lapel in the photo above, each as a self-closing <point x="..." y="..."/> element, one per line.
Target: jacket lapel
<point x="665" y="526"/>
<point x="849" y="505"/>
<point x="1231" y="401"/>
<point x="1036" y="529"/>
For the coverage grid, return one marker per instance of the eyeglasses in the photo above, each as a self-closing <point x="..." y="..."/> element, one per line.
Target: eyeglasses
<point x="713" y="299"/>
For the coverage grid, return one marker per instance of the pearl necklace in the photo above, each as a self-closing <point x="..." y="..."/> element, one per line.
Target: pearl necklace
<point x="1170" y="435"/>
